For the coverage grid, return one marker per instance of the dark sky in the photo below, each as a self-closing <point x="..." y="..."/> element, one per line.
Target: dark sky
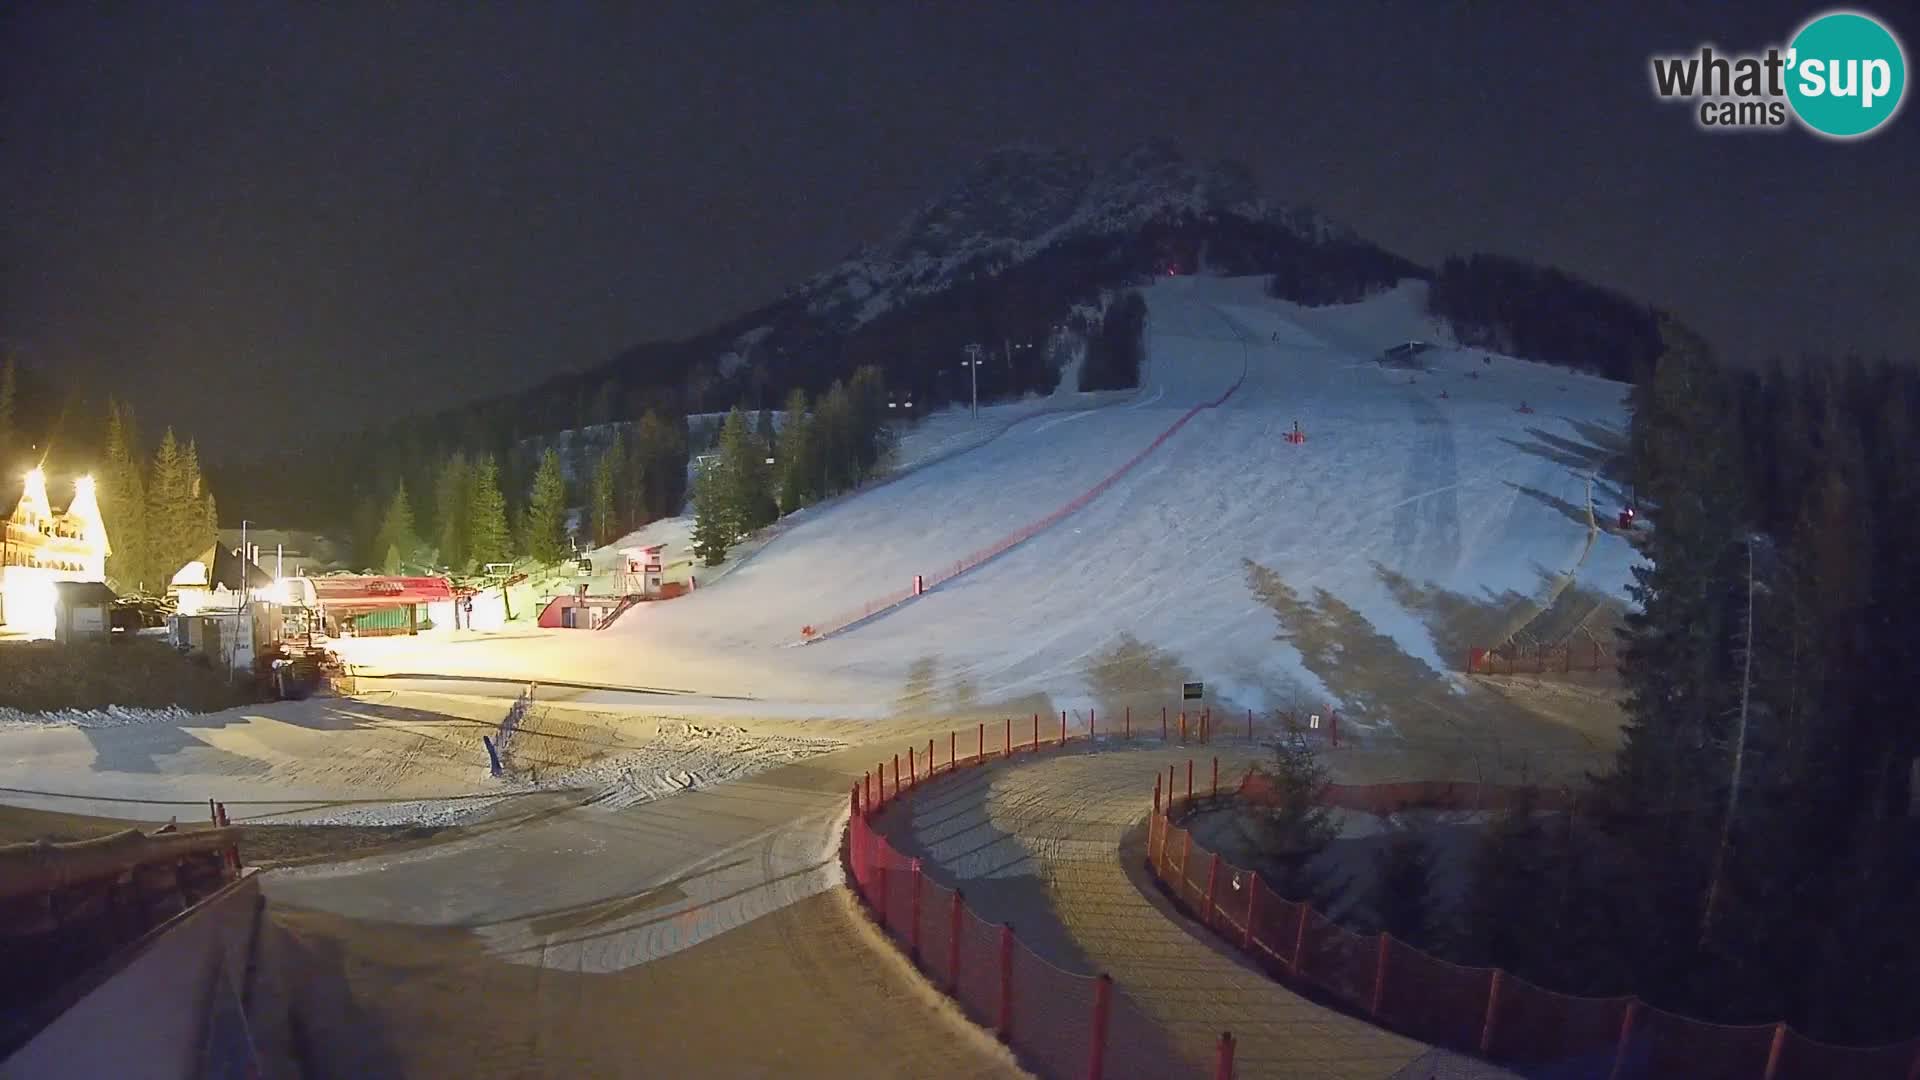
<point x="242" y="214"/>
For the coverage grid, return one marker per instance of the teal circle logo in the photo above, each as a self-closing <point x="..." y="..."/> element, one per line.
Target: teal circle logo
<point x="1846" y="74"/>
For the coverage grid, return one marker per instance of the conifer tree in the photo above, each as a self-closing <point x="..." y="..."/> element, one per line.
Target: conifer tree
<point x="397" y="541"/>
<point x="713" y="524"/>
<point x="123" y="505"/>
<point x="170" y="512"/>
<point x="546" y="517"/>
<point x="797" y="470"/>
<point x="488" y="539"/>
<point x="1294" y="825"/>
<point x="743" y="476"/>
<point x="604" y="502"/>
<point x="452" y="495"/>
<point x="1402" y="898"/>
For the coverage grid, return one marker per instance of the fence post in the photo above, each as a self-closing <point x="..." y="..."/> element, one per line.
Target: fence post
<point x="913" y="938"/>
<point x="1127" y="731"/>
<point x="980" y="750"/>
<point x="913" y="773"/>
<point x="1063" y="727"/>
<point x="1626" y="1035"/>
<point x="1093" y="722"/>
<point x="953" y="750"/>
<point x="896" y="776"/>
<point x="868" y="781"/>
<point x="953" y="943"/>
<point x="1494" y="986"/>
<point x="1169" y="789"/>
<point x="1253" y="910"/>
<point x="1036" y="731"/>
<point x="1299" y="941"/>
<point x="929" y="759"/>
<point x="1097" y="1039"/>
<point x="1156" y="793"/>
<point x="1008" y="726"/>
<point x="1779" y="1045"/>
<point x="1380" y="973"/>
<point x="1163" y="723"/>
<point x="1189" y="779"/>
<point x="1249" y="727"/>
<point x="856" y="800"/>
<point x="1213" y="885"/>
<point x="1186" y="861"/>
<point x="1216" y="777"/>
<point x="1223" y="1058"/>
<point x="1005" y="1026"/>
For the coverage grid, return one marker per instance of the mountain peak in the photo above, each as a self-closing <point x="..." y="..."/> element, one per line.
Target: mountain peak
<point x="1022" y="198"/>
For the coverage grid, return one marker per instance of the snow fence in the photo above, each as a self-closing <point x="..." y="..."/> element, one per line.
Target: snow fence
<point x="1479" y="1010"/>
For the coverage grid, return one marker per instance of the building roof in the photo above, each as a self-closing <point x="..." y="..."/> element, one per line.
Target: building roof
<point x="361" y="590"/>
<point x="83" y="592"/>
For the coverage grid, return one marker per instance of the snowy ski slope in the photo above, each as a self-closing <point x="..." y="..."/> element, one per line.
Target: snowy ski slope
<point x="1467" y="500"/>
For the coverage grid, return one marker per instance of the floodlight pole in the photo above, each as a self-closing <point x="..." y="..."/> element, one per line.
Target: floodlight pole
<point x="973" y="369"/>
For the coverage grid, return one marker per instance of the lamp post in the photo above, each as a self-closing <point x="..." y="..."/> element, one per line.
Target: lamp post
<point x="972" y="364"/>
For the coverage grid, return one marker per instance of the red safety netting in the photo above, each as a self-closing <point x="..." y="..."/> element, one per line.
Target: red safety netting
<point x="1050" y="1011"/>
<point x="937" y="932"/>
<point x="1432" y="1000"/>
<point x="979" y="982"/>
<point x="1338" y="960"/>
<point x="1534" y="1024"/>
<point x="1232" y="895"/>
<point x="1276" y="924"/>
<point x="1802" y="1058"/>
<point x="1053" y="1013"/>
<point x="1667" y="1044"/>
<point x="845" y="619"/>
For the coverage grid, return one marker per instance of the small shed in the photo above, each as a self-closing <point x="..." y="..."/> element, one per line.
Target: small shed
<point x="82" y="610"/>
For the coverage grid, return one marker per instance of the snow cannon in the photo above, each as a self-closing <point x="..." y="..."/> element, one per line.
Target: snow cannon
<point x="1626" y="517"/>
<point x="1296" y="436"/>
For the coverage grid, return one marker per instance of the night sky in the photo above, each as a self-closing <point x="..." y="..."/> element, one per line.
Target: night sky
<point x="240" y="215"/>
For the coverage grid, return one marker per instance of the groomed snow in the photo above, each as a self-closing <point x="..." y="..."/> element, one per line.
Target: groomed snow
<point x="1463" y="495"/>
<point x="1402" y="506"/>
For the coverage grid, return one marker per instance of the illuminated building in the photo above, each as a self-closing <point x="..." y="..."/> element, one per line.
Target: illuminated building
<point x="39" y="546"/>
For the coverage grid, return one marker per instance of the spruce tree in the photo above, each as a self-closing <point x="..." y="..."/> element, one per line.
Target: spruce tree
<point x="794" y="456"/>
<point x="545" y="522"/>
<point x="604" y="501"/>
<point x="744" y="476"/>
<point x="488" y="539"/>
<point x="451" y="499"/>
<point x="397" y="540"/>
<point x="713" y="524"/>
<point x="1293" y="826"/>
<point x="1402" y="897"/>
<point x="170" y="513"/>
<point x="123" y="505"/>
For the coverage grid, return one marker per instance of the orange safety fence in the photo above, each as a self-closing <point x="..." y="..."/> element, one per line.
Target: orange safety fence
<point x="848" y="619"/>
<point x="1060" y="1022"/>
<point x="1482" y="1010"/>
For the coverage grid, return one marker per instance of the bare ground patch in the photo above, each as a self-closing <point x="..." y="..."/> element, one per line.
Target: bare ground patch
<point x="1456" y="728"/>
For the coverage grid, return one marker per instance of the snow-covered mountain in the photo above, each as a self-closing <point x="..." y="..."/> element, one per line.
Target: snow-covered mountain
<point x="1021" y="200"/>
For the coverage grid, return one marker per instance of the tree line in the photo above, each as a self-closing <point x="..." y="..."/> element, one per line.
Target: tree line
<point x="1750" y="855"/>
<point x="472" y="510"/>
<point x="1547" y="315"/>
<point x="758" y="474"/>
<point x="159" y="513"/>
